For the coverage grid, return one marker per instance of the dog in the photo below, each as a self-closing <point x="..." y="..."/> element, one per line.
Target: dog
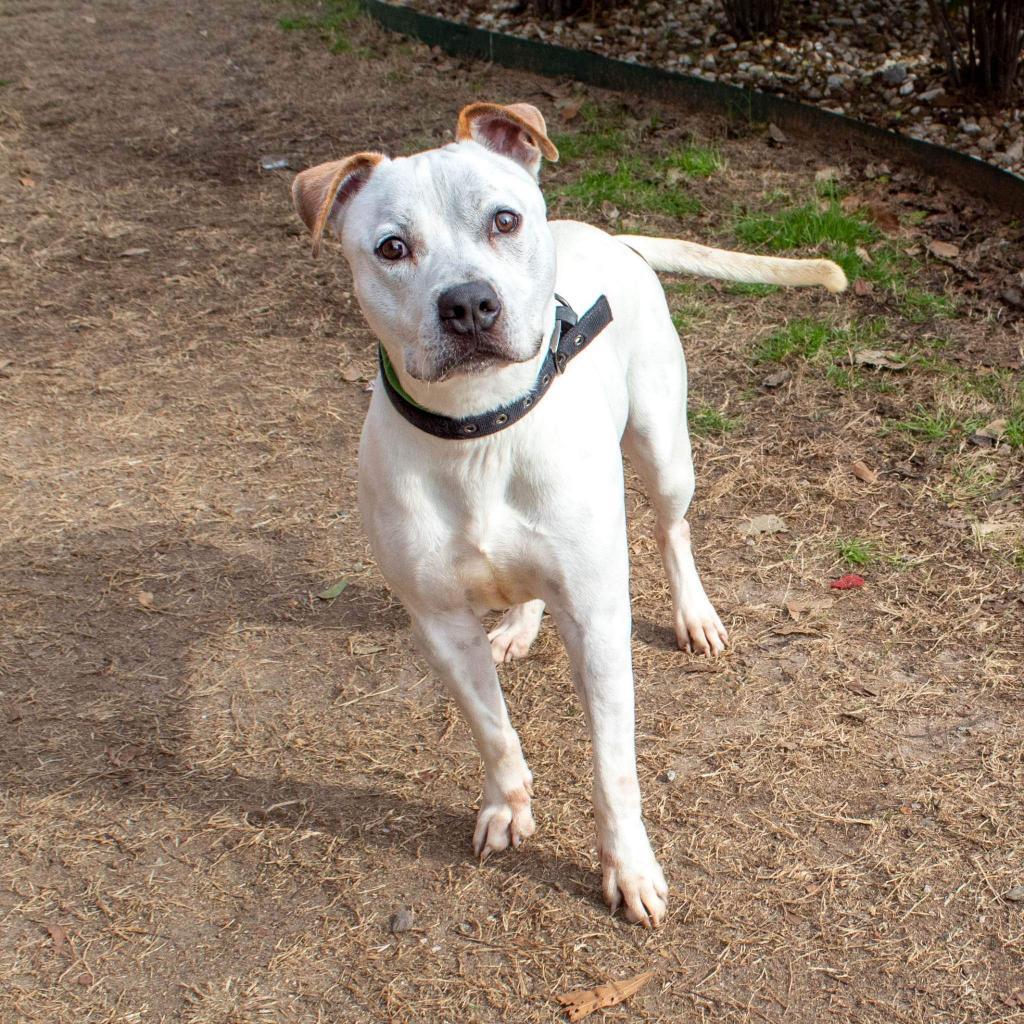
<point x="472" y="293"/>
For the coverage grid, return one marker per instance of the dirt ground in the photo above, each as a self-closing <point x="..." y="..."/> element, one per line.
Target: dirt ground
<point x="218" y="789"/>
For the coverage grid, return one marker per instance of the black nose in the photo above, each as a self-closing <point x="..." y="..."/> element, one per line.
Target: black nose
<point x="468" y="308"/>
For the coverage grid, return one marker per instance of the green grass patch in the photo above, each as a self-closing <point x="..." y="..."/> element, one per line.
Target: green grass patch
<point x="856" y="552"/>
<point x="919" y="306"/>
<point x="825" y="226"/>
<point x="745" y="288"/>
<point x="930" y="424"/>
<point x="810" y="339"/>
<point x="705" y="421"/>
<point x="695" y="161"/>
<point x="329" y="19"/>
<point x="631" y="187"/>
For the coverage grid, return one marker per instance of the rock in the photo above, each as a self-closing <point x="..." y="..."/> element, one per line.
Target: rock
<point x="906" y="88"/>
<point x="776" y="136"/>
<point x="894" y="74"/>
<point x="670" y="775"/>
<point x="839" y="83"/>
<point x="932" y="95"/>
<point x="1015" y="895"/>
<point x="1015" y="151"/>
<point x="402" y="921"/>
<point x="1012" y="297"/>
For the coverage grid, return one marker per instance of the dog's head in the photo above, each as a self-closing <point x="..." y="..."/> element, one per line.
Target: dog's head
<point x="453" y="261"/>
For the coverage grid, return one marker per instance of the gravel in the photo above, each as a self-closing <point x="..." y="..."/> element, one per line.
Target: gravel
<point x="875" y="60"/>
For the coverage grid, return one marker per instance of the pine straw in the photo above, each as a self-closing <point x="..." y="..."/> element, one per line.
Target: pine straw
<point x="215" y="800"/>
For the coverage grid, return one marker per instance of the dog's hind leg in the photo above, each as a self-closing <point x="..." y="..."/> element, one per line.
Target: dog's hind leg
<point x="657" y="442"/>
<point x="456" y="647"/>
<point x="519" y="626"/>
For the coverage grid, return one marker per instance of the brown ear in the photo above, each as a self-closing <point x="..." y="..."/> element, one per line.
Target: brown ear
<point x="516" y="131"/>
<point x="319" y="190"/>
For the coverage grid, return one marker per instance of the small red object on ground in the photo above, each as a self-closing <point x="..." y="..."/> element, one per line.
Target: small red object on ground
<point x="848" y="582"/>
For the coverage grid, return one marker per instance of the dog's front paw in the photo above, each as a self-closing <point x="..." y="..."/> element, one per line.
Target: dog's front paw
<point x="636" y="882"/>
<point x="503" y="823"/>
<point x="700" y="630"/>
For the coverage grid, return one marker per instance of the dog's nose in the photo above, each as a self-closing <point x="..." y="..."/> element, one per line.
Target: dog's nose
<point x="468" y="308"/>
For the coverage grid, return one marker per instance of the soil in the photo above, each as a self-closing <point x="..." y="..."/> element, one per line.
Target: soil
<point x="218" y="789"/>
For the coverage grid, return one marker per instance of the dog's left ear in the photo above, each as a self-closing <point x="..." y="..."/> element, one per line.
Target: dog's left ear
<point x="516" y="131"/>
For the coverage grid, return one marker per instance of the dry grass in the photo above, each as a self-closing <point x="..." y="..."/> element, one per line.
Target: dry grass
<point x="217" y="790"/>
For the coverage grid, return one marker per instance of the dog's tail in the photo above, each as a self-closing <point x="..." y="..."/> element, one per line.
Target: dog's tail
<point x="678" y="257"/>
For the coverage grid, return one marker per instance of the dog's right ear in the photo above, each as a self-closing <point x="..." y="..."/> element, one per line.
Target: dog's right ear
<point x="321" y="192"/>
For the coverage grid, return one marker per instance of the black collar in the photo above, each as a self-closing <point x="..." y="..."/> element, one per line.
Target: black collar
<point x="569" y="338"/>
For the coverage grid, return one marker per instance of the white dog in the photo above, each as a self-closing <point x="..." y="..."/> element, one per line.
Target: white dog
<point x="477" y="494"/>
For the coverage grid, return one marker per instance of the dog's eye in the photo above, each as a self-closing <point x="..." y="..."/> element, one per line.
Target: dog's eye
<point x="392" y="249"/>
<point x="506" y="221"/>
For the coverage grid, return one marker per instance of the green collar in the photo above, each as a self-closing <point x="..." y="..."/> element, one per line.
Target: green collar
<point x="389" y="372"/>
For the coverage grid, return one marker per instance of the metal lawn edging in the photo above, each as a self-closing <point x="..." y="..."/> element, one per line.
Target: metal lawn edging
<point x="999" y="187"/>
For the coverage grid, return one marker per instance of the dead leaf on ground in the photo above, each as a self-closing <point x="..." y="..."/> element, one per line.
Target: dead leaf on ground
<point x="352" y="374"/>
<point x="944" y="250"/>
<point x="609" y="210"/>
<point x="776" y="379"/>
<point x="27" y="182"/>
<point x="145" y="598"/>
<point x="862" y="287"/>
<point x="132" y="252"/>
<point x="757" y="525"/>
<point x="994" y="430"/>
<point x="879" y="358"/>
<point x="862" y="471"/>
<point x="883" y="215"/>
<point x="333" y="591"/>
<point x="59" y="936"/>
<point x="797" y="606"/>
<point x="582" y="1002"/>
<point x="569" y="108"/>
<point x="776" y="136"/>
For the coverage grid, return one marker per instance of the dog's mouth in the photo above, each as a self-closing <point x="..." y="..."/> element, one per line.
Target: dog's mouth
<point x="473" y="359"/>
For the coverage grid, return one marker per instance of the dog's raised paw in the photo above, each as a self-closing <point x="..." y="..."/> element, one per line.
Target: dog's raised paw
<point x="700" y="631"/>
<point x="518" y="628"/>
<point x="501" y="825"/>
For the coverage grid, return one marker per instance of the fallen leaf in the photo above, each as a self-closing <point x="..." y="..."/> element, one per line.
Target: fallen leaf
<point x="569" y="108"/>
<point x="826" y="173"/>
<point x="609" y="210"/>
<point x="862" y="287"/>
<point x="993" y="430"/>
<point x="351" y="374"/>
<point x="59" y="936"/>
<point x="797" y="606"/>
<point x="85" y="980"/>
<point x="582" y="1002"/>
<point x="862" y="689"/>
<point x="333" y="591"/>
<point x="402" y="921"/>
<point x="944" y="250"/>
<point x="776" y="136"/>
<point x="864" y="255"/>
<point x="132" y="252"/>
<point x="883" y="215"/>
<point x="145" y="598"/>
<point x="880" y="358"/>
<point x="848" y="582"/>
<point x="28" y="182"/>
<point x="793" y="629"/>
<point x="763" y="524"/>
<point x="862" y="471"/>
<point x="776" y="379"/>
